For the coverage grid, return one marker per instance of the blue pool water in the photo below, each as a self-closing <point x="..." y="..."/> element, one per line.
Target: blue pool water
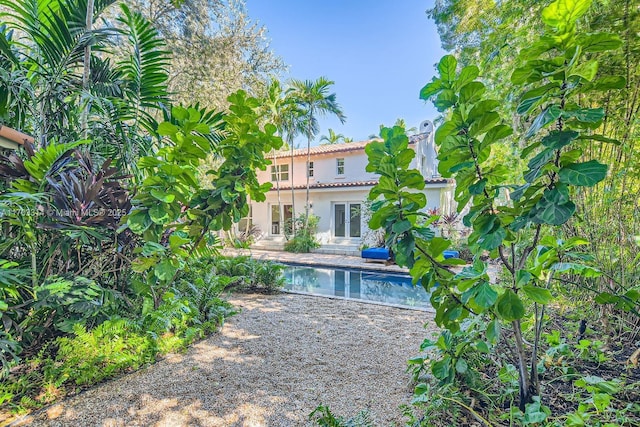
<point x="355" y="284"/>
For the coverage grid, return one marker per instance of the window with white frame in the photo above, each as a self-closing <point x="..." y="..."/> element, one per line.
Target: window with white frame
<point x="340" y="166"/>
<point x="280" y="173"/>
<point x="310" y="169"/>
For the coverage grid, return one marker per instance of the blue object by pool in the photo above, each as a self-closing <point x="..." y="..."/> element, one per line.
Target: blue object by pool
<point x="451" y="254"/>
<point x="376" y="253"/>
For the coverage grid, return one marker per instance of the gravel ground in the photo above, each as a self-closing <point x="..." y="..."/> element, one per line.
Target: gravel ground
<point x="270" y="365"/>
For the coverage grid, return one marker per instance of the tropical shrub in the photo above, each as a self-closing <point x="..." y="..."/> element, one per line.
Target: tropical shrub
<point x="509" y="308"/>
<point x="322" y="416"/>
<point x="114" y="347"/>
<point x="191" y="310"/>
<point x="248" y="274"/>
<point x="185" y="214"/>
<point x="304" y="234"/>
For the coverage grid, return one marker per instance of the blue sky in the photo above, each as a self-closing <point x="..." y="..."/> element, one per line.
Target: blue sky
<point x="379" y="53"/>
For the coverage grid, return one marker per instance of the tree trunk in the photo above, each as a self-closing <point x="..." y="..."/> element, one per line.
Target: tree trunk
<point x="527" y="385"/>
<point x="86" y="72"/>
<point x="293" y="200"/>
<point x="306" y="208"/>
<point x="275" y="165"/>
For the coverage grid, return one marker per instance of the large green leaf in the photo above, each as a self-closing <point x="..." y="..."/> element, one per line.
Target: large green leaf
<point x="558" y="139"/>
<point x="431" y="89"/>
<point x="472" y="92"/>
<point x="599" y="42"/>
<point x="447" y="67"/>
<point x="585" y="174"/>
<point x="586" y="70"/>
<point x="162" y="195"/>
<point x="548" y="115"/>
<point x="159" y="214"/>
<point x="537" y="163"/>
<point x="538" y="294"/>
<point x="467" y="75"/>
<point x="520" y="75"/>
<point x="482" y="107"/>
<point x="562" y="13"/>
<point x="497" y="133"/>
<point x="485" y="295"/>
<point x="554" y="207"/>
<point x="165" y="270"/>
<point x="492" y="240"/>
<point x="527" y="104"/>
<point x="445" y="99"/>
<point x="510" y="306"/>
<point x="139" y="221"/>
<point x="484" y="123"/>
<point x="585" y="115"/>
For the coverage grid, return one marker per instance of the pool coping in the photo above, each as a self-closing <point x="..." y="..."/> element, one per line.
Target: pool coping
<point x="315" y="259"/>
<point x="345" y="267"/>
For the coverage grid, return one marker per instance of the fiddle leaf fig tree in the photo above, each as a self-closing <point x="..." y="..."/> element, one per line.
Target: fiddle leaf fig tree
<point x="172" y="212"/>
<point x="555" y="75"/>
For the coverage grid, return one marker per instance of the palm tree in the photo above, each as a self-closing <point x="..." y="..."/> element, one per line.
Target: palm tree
<point x="280" y="109"/>
<point x="334" y="138"/>
<point x="65" y="80"/>
<point x="314" y="99"/>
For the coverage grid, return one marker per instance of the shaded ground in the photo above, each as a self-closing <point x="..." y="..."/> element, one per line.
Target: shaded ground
<point x="271" y="365"/>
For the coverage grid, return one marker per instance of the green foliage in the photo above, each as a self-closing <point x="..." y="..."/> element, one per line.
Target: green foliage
<point x="114" y="347"/>
<point x="304" y="237"/>
<point x="248" y="274"/>
<point x="554" y="79"/>
<point x="67" y="302"/>
<point x="185" y="213"/>
<point x="117" y="345"/>
<point x="42" y="79"/>
<point x="491" y="32"/>
<point x="322" y="416"/>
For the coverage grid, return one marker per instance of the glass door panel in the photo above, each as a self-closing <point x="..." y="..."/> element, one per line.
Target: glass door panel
<point x="288" y="218"/>
<point x="340" y="220"/>
<point x="275" y="219"/>
<point x="354" y="220"/>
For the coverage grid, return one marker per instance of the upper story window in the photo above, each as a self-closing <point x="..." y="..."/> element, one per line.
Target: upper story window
<point x="310" y="169"/>
<point x="282" y="171"/>
<point x="340" y="166"/>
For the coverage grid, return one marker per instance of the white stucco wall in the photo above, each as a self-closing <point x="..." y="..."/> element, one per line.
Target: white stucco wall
<point x="323" y="200"/>
<point x="322" y="204"/>
<point x="324" y="169"/>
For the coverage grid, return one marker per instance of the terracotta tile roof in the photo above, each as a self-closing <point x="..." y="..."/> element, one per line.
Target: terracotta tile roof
<point x="370" y="183"/>
<point x="14" y="135"/>
<point x="333" y="148"/>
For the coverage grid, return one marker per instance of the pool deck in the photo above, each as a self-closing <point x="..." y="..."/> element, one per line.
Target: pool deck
<point x="324" y="260"/>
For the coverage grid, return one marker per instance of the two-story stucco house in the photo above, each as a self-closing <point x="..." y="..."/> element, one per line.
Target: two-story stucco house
<point x="338" y="188"/>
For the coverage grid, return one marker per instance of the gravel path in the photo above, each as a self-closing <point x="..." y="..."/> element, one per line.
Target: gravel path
<point x="270" y="365"/>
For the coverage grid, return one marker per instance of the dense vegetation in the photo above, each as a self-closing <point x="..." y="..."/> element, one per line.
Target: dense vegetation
<point x="110" y="221"/>
<point x="544" y="331"/>
<point x="109" y="229"/>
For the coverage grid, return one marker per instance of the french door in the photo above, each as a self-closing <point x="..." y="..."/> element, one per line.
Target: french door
<point x="281" y="222"/>
<point x="347" y="219"/>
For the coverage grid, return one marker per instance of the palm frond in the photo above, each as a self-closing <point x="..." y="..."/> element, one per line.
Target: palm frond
<point x="145" y="68"/>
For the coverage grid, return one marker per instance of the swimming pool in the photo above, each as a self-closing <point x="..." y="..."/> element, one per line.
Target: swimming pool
<point x="375" y="287"/>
